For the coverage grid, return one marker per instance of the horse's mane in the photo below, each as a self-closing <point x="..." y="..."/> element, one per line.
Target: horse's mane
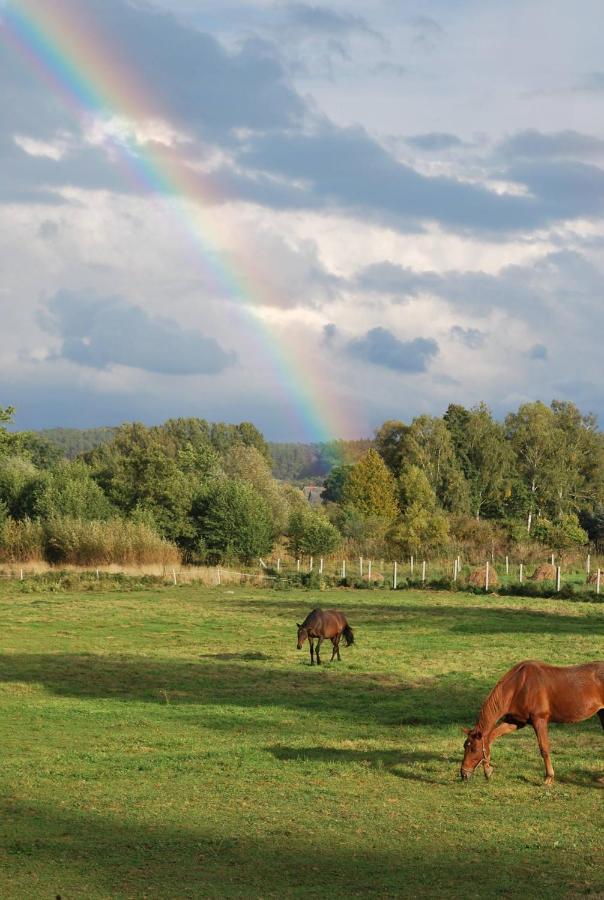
<point x="492" y="708"/>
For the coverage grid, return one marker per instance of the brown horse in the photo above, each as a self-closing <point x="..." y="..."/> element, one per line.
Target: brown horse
<point x="324" y="623"/>
<point x="534" y="693"/>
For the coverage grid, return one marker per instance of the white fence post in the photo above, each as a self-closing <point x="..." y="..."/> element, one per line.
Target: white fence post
<point x="394" y="579"/>
<point x="411" y="566"/>
<point x="598" y="578"/>
<point x="343" y="568"/>
<point x="369" y="571"/>
<point x="507" y="565"/>
<point x="311" y="564"/>
<point x="361" y="566"/>
<point x="588" y="564"/>
<point x="218" y="573"/>
<point x="520" y="572"/>
<point x="321" y="566"/>
<point x="278" y="565"/>
<point x="553" y="559"/>
<point x="423" y="571"/>
<point x="174" y="576"/>
<point x="558" y="578"/>
<point x="455" y="571"/>
<point x="486" y="576"/>
<point x="297" y="565"/>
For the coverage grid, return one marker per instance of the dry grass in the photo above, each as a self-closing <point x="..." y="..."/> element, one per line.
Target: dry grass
<point x="545" y="572"/>
<point x="478" y="577"/>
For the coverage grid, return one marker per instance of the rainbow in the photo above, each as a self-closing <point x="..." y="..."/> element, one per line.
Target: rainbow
<point x="59" y="40"/>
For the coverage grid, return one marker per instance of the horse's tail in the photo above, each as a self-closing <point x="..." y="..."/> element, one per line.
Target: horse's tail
<point x="348" y="634"/>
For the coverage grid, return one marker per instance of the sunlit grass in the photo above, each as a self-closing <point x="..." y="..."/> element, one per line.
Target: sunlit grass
<point x="173" y="743"/>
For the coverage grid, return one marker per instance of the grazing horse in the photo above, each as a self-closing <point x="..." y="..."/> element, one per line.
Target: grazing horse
<point x="534" y="693"/>
<point x="324" y="623"/>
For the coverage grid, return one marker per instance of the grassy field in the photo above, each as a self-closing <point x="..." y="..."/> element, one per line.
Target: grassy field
<point x="173" y="743"/>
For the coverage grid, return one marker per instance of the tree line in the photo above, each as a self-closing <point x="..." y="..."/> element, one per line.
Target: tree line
<point x="207" y="491"/>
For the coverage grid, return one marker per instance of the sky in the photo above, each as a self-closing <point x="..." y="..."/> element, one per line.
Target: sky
<point x="374" y="209"/>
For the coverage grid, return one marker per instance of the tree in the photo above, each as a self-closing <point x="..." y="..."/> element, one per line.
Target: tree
<point x="370" y="487"/>
<point x="564" y="533"/>
<point x="390" y="444"/>
<point x="421" y="527"/>
<point x="334" y="484"/>
<point x="67" y="491"/>
<point x="249" y="464"/>
<point x="311" y="533"/>
<point x="6" y="415"/>
<point x="484" y="457"/>
<point x="429" y="446"/>
<point x="231" y="519"/>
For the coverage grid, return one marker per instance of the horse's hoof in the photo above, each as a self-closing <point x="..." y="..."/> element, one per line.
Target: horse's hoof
<point x="549" y="781"/>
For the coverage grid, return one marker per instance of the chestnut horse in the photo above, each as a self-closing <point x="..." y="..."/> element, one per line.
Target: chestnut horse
<point x="324" y="623"/>
<point x="534" y="693"/>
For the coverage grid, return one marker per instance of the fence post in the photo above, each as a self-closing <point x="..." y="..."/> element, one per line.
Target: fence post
<point x="520" y="573"/>
<point x="361" y="566"/>
<point x="507" y="565"/>
<point x="218" y="573"/>
<point x="343" y="568"/>
<point x="321" y="566"/>
<point x="412" y="567"/>
<point x="21" y="577"/>
<point x="553" y="559"/>
<point x="598" y="582"/>
<point x="558" y="578"/>
<point x="423" y="571"/>
<point x="486" y="576"/>
<point x="588" y="564"/>
<point x="311" y="564"/>
<point x="369" y="571"/>
<point x="297" y="565"/>
<point x="174" y="576"/>
<point x="394" y="579"/>
<point x="455" y="571"/>
<point x="278" y="565"/>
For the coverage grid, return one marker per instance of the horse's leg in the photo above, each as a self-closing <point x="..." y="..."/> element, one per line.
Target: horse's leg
<point x="311" y="641"/>
<point x="504" y="728"/>
<point x="334" y="642"/>
<point x="601" y="717"/>
<point x="540" y="726"/>
<point x="338" y="639"/>
<point x="319" y="642"/>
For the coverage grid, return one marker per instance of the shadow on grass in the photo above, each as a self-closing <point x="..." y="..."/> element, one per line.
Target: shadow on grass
<point x="50" y="851"/>
<point x="326" y="691"/>
<point x="400" y="763"/>
<point x="474" y="618"/>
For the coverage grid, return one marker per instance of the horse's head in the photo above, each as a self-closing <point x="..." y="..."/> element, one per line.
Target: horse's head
<point x="475" y="754"/>
<point x="302" y="635"/>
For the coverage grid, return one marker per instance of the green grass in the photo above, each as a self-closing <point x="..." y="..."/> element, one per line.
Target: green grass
<point x="173" y="743"/>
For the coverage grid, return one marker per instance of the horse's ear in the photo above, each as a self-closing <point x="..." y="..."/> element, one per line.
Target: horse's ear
<point x="298" y="625"/>
<point x="466" y="730"/>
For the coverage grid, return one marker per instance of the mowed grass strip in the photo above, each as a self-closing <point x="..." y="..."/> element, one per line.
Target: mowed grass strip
<point x="173" y="743"/>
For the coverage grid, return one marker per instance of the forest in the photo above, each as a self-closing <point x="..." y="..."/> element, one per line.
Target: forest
<point x="208" y="493"/>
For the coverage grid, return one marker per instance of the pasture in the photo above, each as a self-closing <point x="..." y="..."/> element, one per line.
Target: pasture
<point x="173" y="742"/>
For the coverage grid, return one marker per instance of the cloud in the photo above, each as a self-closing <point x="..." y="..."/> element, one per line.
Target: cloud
<point x="427" y="33"/>
<point x="471" y="337"/>
<point x="344" y="169"/>
<point x="434" y="141"/>
<point x="382" y="348"/>
<point x="330" y="332"/>
<point x="98" y="332"/>
<point x="538" y="351"/>
<point x="321" y="20"/>
<point x="526" y="291"/>
<point x="534" y="144"/>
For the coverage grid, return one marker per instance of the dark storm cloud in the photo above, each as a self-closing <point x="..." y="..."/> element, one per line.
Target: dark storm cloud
<point x="102" y="331"/>
<point x="286" y="157"/>
<point x="345" y="169"/>
<point x="382" y="348"/>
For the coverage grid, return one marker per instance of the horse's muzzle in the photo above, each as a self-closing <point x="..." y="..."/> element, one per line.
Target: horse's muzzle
<point x="465" y="774"/>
